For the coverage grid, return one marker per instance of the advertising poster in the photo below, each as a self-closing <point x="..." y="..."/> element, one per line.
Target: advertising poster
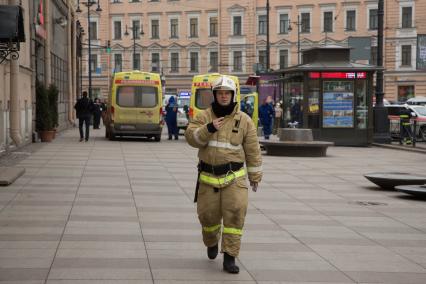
<point x="338" y="111"/>
<point x="268" y="89"/>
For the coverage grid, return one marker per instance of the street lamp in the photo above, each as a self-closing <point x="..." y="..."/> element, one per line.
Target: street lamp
<point x="381" y="121"/>
<point x="298" y="24"/>
<point x="134" y="32"/>
<point x="88" y="4"/>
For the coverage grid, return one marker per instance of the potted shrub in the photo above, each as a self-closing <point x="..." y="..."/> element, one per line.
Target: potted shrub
<point x="44" y="124"/>
<point x="53" y="94"/>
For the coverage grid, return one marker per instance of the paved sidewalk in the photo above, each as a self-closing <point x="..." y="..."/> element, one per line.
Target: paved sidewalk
<point x="122" y="212"/>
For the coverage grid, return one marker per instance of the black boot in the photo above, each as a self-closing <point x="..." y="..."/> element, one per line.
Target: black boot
<point x="229" y="264"/>
<point x="212" y="251"/>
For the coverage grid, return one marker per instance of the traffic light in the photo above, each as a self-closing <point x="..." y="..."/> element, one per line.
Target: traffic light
<point x="108" y="46"/>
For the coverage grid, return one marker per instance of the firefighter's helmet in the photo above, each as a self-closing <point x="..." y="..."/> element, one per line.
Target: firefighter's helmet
<point x="225" y="83"/>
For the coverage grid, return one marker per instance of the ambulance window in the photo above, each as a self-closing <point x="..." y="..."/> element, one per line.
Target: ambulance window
<point x="203" y="98"/>
<point x="146" y="96"/>
<point x="137" y="96"/>
<point x="126" y="96"/>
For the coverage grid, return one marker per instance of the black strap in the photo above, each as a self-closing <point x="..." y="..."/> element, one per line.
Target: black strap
<point x="220" y="169"/>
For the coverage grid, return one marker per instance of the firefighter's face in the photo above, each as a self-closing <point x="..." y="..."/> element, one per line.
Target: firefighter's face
<point x="223" y="97"/>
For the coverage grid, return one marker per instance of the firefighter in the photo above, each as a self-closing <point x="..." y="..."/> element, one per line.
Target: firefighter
<point x="405" y="126"/>
<point x="226" y="138"/>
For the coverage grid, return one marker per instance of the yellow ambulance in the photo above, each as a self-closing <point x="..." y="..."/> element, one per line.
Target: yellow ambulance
<point x="134" y="105"/>
<point x="201" y="92"/>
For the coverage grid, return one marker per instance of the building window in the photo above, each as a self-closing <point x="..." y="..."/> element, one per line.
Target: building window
<point x="193" y="24"/>
<point x="373" y="22"/>
<point x="136" y="25"/>
<point x="262" y="25"/>
<point x="174" y="28"/>
<point x="213" y="26"/>
<point x="306" y="22"/>
<point x="155" y="62"/>
<point x="237" y="25"/>
<point x="118" y="63"/>
<point x="373" y="55"/>
<point x="155" y="29"/>
<point x="284" y="23"/>
<point x="214" y="61"/>
<point x="407" y="17"/>
<point x="328" y="22"/>
<point x="351" y="20"/>
<point x="174" y="62"/>
<point x="93" y="30"/>
<point x="136" y="61"/>
<point x="194" y="62"/>
<point x="405" y="93"/>
<point x="93" y="63"/>
<point x="238" y="61"/>
<point x="117" y="29"/>
<point x="283" y="58"/>
<point x="406" y="55"/>
<point x="262" y="59"/>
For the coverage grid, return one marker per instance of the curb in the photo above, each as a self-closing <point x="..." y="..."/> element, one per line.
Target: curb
<point x="400" y="148"/>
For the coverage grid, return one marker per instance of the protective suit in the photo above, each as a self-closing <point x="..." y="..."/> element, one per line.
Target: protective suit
<point x="171" y="119"/>
<point x="223" y="191"/>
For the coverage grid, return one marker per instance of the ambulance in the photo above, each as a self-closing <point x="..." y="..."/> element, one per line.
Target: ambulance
<point x="134" y="105"/>
<point x="250" y="103"/>
<point x="201" y="92"/>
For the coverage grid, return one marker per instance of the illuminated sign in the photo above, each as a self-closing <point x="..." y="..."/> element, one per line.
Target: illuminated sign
<point x="202" y="84"/>
<point x="184" y="94"/>
<point x="338" y="75"/>
<point x="138" y="82"/>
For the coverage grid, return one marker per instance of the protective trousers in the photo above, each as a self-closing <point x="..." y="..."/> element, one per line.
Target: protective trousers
<point x="228" y="203"/>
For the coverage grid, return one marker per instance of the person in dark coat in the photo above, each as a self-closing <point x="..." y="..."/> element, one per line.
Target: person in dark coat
<point x="266" y="115"/>
<point x="84" y="108"/>
<point x="297" y="113"/>
<point x="97" y="112"/>
<point x="171" y="118"/>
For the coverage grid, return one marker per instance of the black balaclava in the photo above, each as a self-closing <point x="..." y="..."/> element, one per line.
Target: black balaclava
<point x="221" y="111"/>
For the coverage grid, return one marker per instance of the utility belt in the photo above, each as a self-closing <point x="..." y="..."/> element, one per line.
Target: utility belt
<point x="222" y="175"/>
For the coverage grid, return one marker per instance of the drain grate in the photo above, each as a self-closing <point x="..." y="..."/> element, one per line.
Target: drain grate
<point x="368" y="203"/>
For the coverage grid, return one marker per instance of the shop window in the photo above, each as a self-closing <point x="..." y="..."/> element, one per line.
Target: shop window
<point x="293" y="102"/>
<point x="361" y="104"/>
<point x="338" y="104"/>
<point x="405" y="93"/>
<point x="313" y="104"/>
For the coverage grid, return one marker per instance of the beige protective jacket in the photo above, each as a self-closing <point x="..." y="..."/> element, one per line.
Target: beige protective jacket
<point x="236" y="141"/>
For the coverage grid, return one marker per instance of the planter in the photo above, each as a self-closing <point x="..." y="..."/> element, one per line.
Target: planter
<point x="46" y="135"/>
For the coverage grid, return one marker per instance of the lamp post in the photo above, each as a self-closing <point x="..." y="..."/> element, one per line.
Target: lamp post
<point x="381" y="122"/>
<point x="88" y="4"/>
<point x="134" y="32"/>
<point x="298" y="24"/>
<point x="268" y="51"/>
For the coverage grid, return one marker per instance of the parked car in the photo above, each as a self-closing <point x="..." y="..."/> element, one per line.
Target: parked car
<point x="183" y="109"/>
<point x="418" y="110"/>
<point x="417" y="101"/>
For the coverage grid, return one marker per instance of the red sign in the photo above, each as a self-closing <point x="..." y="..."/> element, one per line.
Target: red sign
<point x="203" y="84"/>
<point x="338" y="75"/>
<point x="137" y="82"/>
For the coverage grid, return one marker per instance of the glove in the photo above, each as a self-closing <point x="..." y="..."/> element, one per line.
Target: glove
<point x="254" y="186"/>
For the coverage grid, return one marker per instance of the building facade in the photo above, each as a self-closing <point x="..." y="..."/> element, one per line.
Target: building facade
<point x="180" y="38"/>
<point x="48" y="55"/>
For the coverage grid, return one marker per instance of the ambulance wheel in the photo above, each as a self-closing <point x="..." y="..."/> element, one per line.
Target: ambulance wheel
<point x="157" y="138"/>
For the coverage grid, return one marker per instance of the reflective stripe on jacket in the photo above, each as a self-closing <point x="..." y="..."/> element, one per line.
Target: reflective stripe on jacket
<point x="236" y="141"/>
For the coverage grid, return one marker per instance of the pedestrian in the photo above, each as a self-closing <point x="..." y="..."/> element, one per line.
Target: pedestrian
<point x="406" y="135"/>
<point x="171" y="118"/>
<point x="84" y="108"/>
<point x="266" y="115"/>
<point x="97" y="112"/>
<point x="226" y="138"/>
<point x="278" y="115"/>
<point x="104" y="111"/>
<point x="297" y="113"/>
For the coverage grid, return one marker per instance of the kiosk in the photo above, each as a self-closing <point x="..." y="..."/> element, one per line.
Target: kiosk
<point x="330" y="95"/>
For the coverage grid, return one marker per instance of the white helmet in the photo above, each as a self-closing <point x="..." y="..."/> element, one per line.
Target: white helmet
<point x="225" y="83"/>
